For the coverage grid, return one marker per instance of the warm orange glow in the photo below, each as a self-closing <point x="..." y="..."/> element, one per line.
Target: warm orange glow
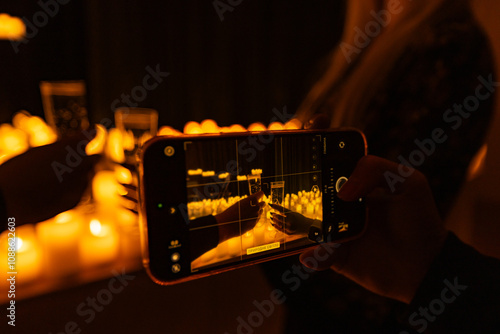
<point x="237" y="128"/>
<point x="123" y="175"/>
<point x="43" y="137"/>
<point x="20" y="119"/>
<point x="198" y="171"/>
<point x="168" y="131"/>
<point x="192" y="128"/>
<point x="209" y="126"/>
<point x="28" y="256"/>
<point x="96" y="145"/>
<point x="276" y="126"/>
<point x="293" y="124"/>
<point x="12" y="141"/>
<point x="129" y="140"/>
<point x="225" y="129"/>
<point x="100" y="246"/>
<point x="39" y="133"/>
<point x="476" y="166"/>
<point x="63" y="217"/>
<point x="114" y="146"/>
<point x="95" y="227"/>
<point x="105" y="187"/>
<point x="127" y="218"/>
<point x="257" y="127"/>
<point x="58" y="239"/>
<point x="12" y="28"/>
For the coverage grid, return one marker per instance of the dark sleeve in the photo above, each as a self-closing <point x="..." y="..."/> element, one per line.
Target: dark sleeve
<point x="460" y="294"/>
<point x="203" y="235"/>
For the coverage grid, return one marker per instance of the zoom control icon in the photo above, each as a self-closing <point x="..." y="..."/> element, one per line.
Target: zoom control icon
<point x="340" y="182"/>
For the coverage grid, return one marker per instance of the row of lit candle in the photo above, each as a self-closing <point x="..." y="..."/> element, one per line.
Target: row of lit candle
<point x="70" y="242"/>
<point x="308" y="203"/>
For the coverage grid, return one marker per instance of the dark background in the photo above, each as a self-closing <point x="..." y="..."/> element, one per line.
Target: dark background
<point x="263" y="55"/>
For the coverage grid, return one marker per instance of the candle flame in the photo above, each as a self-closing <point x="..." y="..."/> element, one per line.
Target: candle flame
<point x="209" y="126"/>
<point x="257" y="127"/>
<point x="12" y="28"/>
<point x="276" y="126"/>
<point x="19" y="244"/>
<point x="96" y="145"/>
<point x="95" y="227"/>
<point x="192" y="128"/>
<point x="63" y="217"/>
<point x="123" y="175"/>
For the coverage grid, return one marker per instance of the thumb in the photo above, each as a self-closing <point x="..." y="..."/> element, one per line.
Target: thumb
<point x="258" y="195"/>
<point x="325" y="256"/>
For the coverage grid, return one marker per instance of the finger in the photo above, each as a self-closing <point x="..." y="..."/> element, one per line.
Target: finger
<point x="318" y="122"/>
<point x="277" y="224"/>
<point x="373" y="172"/>
<point x="277" y="217"/>
<point x="277" y="207"/>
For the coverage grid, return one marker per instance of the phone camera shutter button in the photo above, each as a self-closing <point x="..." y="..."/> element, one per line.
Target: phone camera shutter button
<point x="176" y="268"/>
<point x="340" y="182"/>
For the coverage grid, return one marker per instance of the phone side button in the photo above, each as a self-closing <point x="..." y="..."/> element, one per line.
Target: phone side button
<point x="176" y="268"/>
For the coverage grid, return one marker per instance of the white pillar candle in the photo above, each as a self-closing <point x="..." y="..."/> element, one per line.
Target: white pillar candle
<point x="59" y="243"/>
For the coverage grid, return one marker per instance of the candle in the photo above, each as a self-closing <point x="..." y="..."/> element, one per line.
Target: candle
<point x="234" y="246"/>
<point x="105" y="187"/>
<point x="247" y="241"/>
<point x="192" y="128"/>
<point x="259" y="233"/>
<point x="27" y="263"/>
<point x="59" y="243"/>
<point x="130" y="243"/>
<point x="96" y="145"/>
<point x="99" y="245"/>
<point x="270" y="233"/>
<point x="222" y="250"/>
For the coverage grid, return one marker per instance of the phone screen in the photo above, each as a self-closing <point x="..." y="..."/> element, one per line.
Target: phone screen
<point x="213" y="203"/>
<point x="237" y="181"/>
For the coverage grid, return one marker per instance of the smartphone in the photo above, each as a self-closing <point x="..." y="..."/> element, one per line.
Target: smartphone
<point x="211" y="203"/>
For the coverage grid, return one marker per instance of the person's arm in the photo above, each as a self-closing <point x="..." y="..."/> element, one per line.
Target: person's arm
<point x="459" y="294"/>
<point x="203" y="235"/>
<point x="406" y="254"/>
<point x="45" y="181"/>
<point x="207" y="232"/>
